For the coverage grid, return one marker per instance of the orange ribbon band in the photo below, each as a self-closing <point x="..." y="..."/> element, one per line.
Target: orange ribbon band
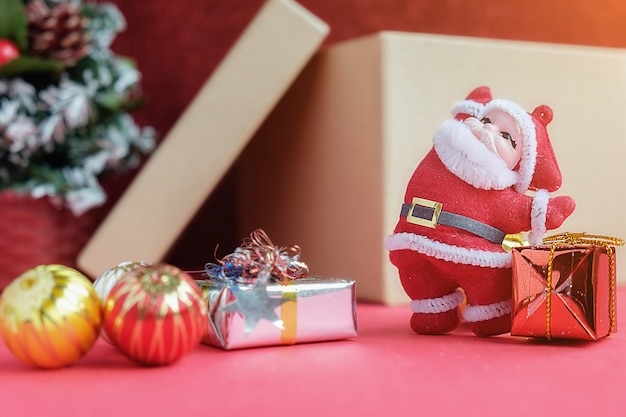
<point x="289" y="313"/>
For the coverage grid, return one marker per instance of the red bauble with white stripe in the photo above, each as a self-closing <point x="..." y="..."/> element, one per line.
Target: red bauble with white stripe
<point x="155" y="314"/>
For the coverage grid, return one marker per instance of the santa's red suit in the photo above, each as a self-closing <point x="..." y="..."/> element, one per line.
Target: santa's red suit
<point x="460" y="202"/>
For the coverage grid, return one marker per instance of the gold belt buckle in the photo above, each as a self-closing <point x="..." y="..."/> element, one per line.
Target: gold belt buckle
<point x="432" y="222"/>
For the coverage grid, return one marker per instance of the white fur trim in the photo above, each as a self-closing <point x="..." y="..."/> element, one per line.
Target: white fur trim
<point x="527" y="164"/>
<point x="469" y="159"/>
<point x="438" y="305"/>
<point x="538" y="215"/>
<point x="474" y="313"/>
<point x="449" y="253"/>
<point x="473" y="108"/>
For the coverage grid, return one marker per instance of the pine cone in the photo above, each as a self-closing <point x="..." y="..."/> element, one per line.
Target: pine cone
<point x="58" y="32"/>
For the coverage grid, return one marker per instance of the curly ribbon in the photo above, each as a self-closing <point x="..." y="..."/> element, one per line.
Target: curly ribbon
<point x="258" y="260"/>
<point x="258" y="253"/>
<point x="569" y="239"/>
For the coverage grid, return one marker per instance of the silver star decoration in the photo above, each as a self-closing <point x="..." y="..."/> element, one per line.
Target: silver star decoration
<point x="254" y="305"/>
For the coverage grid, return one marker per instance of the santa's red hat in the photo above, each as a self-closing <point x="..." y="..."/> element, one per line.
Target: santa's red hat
<point x="473" y="104"/>
<point x="538" y="168"/>
<point x="546" y="174"/>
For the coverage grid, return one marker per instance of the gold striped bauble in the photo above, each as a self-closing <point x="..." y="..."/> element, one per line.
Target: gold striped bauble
<point x="155" y="314"/>
<point x="50" y="316"/>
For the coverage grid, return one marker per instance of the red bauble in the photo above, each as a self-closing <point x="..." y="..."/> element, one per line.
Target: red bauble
<point x="155" y="314"/>
<point x="8" y="51"/>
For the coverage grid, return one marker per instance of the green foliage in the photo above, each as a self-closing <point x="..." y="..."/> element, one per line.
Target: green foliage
<point x="29" y="64"/>
<point x="13" y="22"/>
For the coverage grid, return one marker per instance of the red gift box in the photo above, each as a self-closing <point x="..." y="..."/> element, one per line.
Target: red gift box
<point x="565" y="289"/>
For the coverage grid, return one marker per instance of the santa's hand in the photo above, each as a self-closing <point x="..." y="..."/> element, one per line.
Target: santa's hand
<point x="559" y="209"/>
<point x="548" y="213"/>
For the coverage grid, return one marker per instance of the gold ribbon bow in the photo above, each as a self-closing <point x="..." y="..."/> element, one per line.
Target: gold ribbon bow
<point x="569" y="239"/>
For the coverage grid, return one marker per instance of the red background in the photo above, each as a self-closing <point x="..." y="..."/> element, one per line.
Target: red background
<point x="178" y="44"/>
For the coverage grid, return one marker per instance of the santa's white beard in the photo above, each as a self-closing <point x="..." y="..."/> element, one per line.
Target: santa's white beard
<point x="469" y="159"/>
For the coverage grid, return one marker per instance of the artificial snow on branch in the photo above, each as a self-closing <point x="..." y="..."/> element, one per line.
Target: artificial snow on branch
<point x="64" y="100"/>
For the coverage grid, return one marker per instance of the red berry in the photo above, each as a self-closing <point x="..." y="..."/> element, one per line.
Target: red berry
<point x="8" y="51"/>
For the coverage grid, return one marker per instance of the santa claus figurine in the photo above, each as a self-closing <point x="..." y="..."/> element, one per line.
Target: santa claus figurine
<point x="488" y="175"/>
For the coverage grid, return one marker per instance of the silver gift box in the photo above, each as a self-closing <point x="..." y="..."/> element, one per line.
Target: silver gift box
<point x="304" y="310"/>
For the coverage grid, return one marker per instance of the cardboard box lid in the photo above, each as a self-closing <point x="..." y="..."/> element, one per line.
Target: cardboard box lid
<point x="207" y="138"/>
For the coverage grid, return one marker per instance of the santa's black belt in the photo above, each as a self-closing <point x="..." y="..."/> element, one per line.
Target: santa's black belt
<point x="429" y="213"/>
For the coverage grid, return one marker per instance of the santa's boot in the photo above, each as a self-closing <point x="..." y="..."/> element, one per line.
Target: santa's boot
<point x="436" y="315"/>
<point x="489" y="320"/>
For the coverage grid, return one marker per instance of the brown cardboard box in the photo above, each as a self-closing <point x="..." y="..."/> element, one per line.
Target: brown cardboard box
<point x="329" y="167"/>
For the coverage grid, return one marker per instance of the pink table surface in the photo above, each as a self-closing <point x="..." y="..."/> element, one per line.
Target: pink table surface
<point x="387" y="370"/>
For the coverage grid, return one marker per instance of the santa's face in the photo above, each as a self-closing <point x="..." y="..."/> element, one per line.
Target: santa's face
<point x="500" y="133"/>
